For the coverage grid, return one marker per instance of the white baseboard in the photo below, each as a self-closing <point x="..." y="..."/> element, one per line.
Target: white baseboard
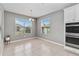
<point x="72" y="49"/>
<point x="65" y="47"/>
<point x="37" y="38"/>
<point x="51" y="41"/>
<point x="22" y="39"/>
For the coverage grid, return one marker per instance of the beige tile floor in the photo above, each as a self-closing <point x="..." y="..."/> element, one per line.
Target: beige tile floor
<point x="35" y="47"/>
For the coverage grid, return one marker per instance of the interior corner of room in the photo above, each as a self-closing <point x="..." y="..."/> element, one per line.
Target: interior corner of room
<point x="44" y="23"/>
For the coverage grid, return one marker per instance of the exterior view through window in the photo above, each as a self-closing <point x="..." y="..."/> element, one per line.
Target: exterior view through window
<point x="45" y="25"/>
<point x="23" y="26"/>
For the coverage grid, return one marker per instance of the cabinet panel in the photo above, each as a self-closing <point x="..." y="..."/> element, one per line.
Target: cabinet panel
<point x="77" y="13"/>
<point x="69" y="14"/>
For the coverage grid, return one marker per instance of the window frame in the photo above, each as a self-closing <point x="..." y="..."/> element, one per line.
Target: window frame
<point x="16" y="27"/>
<point x="41" y="26"/>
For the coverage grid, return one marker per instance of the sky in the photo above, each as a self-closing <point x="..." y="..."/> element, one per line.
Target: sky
<point x="26" y="22"/>
<point x="23" y="22"/>
<point x="45" y="21"/>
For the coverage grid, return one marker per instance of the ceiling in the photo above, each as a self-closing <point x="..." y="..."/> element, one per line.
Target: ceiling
<point x="38" y="9"/>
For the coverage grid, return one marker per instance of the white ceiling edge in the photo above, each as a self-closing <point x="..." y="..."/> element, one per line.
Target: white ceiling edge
<point x="20" y="14"/>
<point x="58" y="10"/>
<point x="15" y="8"/>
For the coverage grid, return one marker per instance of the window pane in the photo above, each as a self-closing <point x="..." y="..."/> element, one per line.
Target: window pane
<point x="23" y="26"/>
<point x="45" y="25"/>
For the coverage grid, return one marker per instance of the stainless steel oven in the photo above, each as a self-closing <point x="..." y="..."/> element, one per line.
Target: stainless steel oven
<point x="72" y="34"/>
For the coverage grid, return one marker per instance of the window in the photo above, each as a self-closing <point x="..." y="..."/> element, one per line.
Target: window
<point x="45" y="28"/>
<point x="23" y="26"/>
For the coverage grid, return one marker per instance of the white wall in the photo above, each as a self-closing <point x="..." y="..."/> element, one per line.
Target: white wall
<point x="1" y="28"/>
<point x="9" y="26"/>
<point x="56" y="27"/>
